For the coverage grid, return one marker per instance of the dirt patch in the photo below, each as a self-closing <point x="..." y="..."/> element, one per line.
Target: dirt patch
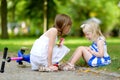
<point x="14" y="72"/>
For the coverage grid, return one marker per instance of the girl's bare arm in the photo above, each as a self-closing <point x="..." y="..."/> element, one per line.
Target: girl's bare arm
<point x="100" y="52"/>
<point x="52" y="37"/>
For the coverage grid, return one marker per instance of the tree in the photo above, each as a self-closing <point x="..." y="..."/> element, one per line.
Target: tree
<point x="40" y="11"/>
<point x="45" y="15"/>
<point x="82" y="10"/>
<point x="12" y="10"/>
<point x="4" y="34"/>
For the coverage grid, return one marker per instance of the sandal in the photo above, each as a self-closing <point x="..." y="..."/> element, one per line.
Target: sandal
<point x="60" y="66"/>
<point x="68" y="67"/>
<point x="46" y="69"/>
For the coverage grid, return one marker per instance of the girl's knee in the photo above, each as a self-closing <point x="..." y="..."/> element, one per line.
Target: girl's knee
<point x="81" y="47"/>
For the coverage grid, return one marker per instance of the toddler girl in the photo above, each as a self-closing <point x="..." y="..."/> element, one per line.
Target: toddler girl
<point x="94" y="55"/>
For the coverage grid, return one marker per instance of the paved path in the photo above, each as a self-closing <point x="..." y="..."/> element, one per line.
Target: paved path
<point x="13" y="72"/>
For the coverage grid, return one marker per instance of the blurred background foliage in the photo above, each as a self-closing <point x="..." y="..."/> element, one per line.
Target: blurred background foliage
<point x="26" y="17"/>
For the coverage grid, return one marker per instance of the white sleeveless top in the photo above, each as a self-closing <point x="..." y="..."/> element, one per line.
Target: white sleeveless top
<point x="40" y="46"/>
<point x="40" y="49"/>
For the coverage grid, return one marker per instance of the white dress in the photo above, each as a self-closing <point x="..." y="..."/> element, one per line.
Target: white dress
<point x="39" y="52"/>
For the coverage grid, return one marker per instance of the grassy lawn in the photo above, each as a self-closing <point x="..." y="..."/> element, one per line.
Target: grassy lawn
<point x="113" y="49"/>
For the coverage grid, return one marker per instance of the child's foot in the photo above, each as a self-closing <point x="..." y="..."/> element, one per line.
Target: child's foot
<point x="68" y="67"/>
<point x="44" y="69"/>
<point x="48" y="69"/>
<point x="61" y="65"/>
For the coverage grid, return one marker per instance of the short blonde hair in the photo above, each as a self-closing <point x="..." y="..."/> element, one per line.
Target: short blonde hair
<point x="94" y="28"/>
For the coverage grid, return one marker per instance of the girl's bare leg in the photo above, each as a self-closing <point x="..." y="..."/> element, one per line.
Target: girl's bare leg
<point x="80" y="51"/>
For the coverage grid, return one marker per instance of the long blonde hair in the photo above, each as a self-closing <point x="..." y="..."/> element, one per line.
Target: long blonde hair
<point x="94" y="28"/>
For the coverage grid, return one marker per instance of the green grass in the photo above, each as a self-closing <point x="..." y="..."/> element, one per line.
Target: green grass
<point x="113" y="49"/>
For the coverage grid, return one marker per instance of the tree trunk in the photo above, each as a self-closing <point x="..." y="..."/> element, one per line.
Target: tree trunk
<point x="45" y="15"/>
<point x="4" y="34"/>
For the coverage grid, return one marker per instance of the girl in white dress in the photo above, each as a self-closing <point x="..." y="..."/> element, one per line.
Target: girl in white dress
<point x="96" y="54"/>
<point x="45" y="52"/>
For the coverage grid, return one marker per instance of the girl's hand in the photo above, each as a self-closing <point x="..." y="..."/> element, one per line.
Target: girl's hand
<point x="54" y="68"/>
<point x="91" y="51"/>
<point x="88" y="48"/>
